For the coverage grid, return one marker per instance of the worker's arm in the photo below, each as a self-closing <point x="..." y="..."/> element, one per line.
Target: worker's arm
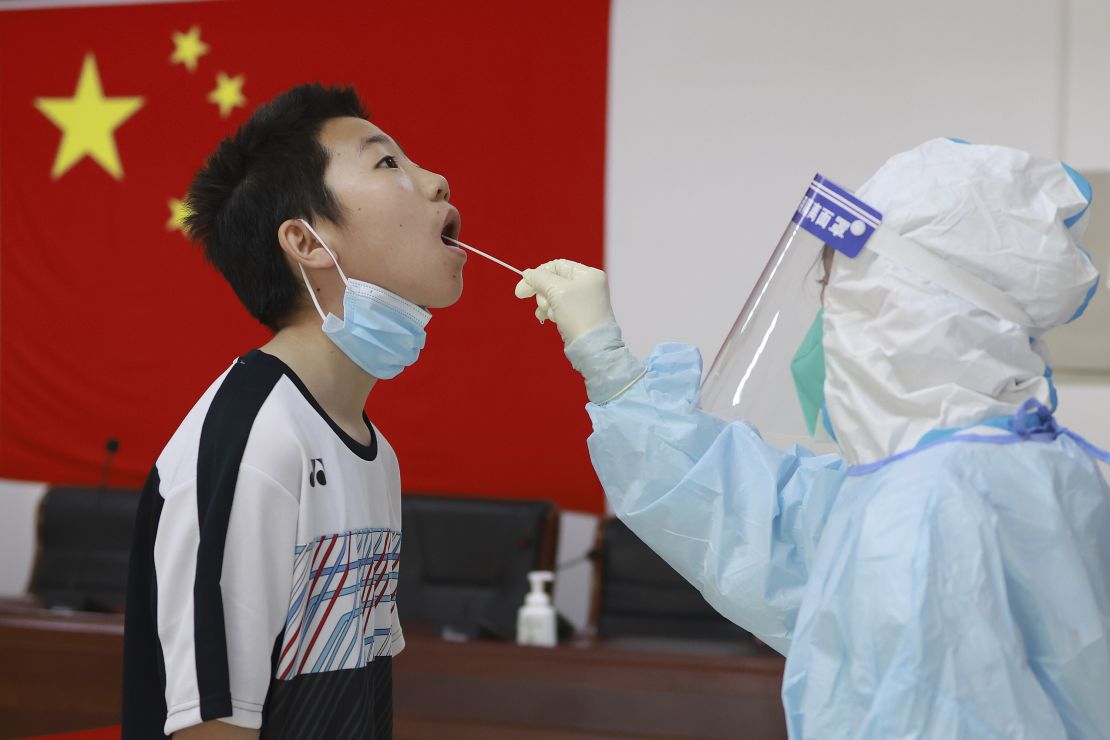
<point x="733" y="515"/>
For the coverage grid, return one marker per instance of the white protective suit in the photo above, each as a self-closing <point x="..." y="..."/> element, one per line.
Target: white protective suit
<point x="947" y="576"/>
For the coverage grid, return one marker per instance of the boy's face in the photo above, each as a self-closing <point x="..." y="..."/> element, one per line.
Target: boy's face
<point x="394" y="214"/>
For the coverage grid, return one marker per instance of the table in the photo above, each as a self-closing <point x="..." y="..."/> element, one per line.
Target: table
<point x="60" y="671"/>
<point x="588" y="687"/>
<point x="63" y="672"/>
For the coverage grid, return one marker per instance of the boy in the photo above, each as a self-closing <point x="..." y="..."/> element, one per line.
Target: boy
<point x="264" y="567"/>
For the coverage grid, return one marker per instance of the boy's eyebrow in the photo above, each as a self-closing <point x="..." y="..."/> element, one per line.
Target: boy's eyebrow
<point x="380" y="139"/>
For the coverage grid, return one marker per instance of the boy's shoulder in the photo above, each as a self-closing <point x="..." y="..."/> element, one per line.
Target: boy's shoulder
<point x="244" y="414"/>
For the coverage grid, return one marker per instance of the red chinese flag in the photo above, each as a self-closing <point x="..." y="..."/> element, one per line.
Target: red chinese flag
<point x="112" y="324"/>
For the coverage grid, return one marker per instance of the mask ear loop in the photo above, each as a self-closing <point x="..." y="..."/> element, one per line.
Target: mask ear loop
<point x="312" y="294"/>
<point x="304" y="275"/>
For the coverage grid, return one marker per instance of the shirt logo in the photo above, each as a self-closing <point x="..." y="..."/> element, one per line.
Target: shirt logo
<point x="317" y="475"/>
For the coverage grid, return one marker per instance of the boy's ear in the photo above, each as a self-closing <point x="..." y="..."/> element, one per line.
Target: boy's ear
<point x="301" y="246"/>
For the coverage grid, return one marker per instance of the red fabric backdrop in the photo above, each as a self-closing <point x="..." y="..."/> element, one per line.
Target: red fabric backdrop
<point x="111" y="324"/>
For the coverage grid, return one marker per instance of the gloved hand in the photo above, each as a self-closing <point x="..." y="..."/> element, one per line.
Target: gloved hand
<point x="576" y="298"/>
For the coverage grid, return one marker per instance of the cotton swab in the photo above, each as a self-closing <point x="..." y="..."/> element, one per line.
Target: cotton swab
<point x="480" y="253"/>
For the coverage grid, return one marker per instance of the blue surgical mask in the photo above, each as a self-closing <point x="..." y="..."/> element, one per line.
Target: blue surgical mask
<point x="380" y="331"/>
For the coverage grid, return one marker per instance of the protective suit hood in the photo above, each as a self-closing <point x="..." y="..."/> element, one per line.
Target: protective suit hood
<point x="904" y="356"/>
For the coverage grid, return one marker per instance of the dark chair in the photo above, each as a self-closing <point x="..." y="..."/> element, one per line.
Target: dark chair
<point x="84" y="542"/>
<point x="465" y="561"/>
<point x="641" y="596"/>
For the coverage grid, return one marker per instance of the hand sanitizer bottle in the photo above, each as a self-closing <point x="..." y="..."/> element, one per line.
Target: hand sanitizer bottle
<point x="535" y="622"/>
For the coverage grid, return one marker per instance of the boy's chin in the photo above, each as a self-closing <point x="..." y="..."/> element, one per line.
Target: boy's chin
<point x="449" y="298"/>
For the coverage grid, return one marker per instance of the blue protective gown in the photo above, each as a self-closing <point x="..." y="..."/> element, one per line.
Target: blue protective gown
<point x="960" y="591"/>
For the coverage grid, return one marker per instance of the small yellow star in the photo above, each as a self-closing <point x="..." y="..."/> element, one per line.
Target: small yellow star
<point x="88" y="121"/>
<point x="228" y="93"/>
<point x="188" y="48"/>
<point x="179" y="209"/>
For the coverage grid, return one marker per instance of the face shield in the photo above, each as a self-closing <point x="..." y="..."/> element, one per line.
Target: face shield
<point x="770" y="371"/>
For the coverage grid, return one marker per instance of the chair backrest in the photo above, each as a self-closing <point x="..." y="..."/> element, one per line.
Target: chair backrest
<point x="84" y="543"/>
<point x="464" y="561"/>
<point x="641" y="596"/>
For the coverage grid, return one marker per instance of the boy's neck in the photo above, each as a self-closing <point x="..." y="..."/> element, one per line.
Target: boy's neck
<point x="339" y="385"/>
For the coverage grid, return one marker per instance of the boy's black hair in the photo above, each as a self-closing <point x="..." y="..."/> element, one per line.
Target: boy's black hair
<point x="270" y="170"/>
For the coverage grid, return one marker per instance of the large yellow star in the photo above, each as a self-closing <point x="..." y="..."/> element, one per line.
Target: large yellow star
<point x="179" y="209"/>
<point x="188" y="48"/>
<point x="88" y="121"/>
<point x="228" y="93"/>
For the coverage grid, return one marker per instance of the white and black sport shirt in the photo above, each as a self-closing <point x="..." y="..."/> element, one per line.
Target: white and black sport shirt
<point x="264" y="569"/>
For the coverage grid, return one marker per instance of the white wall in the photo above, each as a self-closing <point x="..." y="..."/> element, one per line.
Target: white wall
<point x="721" y="111"/>
<point x="1086" y="85"/>
<point x="574" y="582"/>
<point x="19" y="503"/>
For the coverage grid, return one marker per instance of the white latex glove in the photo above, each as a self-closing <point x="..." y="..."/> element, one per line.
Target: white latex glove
<point x="576" y="298"/>
<point x="572" y="295"/>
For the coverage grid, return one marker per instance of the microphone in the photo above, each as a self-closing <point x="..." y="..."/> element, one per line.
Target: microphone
<point x="84" y="600"/>
<point x="110" y="449"/>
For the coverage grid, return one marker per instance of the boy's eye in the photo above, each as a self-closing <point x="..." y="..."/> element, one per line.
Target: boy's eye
<point x="388" y="162"/>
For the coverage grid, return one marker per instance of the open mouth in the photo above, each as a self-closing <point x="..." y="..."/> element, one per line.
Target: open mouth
<point x="450" y="227"/>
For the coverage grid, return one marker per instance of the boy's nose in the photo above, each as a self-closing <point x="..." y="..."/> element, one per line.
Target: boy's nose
<point x="436" y="187"/>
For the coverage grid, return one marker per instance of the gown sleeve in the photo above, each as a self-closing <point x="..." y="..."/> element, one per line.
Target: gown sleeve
<point x="733" y="515"/>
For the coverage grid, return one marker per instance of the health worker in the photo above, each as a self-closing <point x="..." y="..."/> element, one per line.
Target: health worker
<point x="944" y="572"/>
